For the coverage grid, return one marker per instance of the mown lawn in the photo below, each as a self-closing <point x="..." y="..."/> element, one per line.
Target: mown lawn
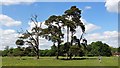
<point x="51" y="61"/>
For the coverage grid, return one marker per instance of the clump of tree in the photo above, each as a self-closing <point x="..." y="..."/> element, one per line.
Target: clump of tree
<point x="99" y="48"/>
<point x="93" y="49"/>
<point x="54" y="32"/>
<point x="55" y="25"/>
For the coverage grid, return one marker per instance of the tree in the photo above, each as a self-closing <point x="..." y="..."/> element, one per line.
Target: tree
<point x="19" y="51"/>
<point x="73" y="16"/>
<point x="32" y="37"/>
<point x="99" y="48"/>
<point x="73" y="21"/>
<point x="5" y="52"/>
<point x="53" y="31"/>
<point x="118" y="49"/>
<point x="74" y="50"/>
<point x="10" y="52"/>
<point x="29" y="51"/>
<point x="114" y="50"/>
<point x="53" y="50"/>
<point x="66" y="48"/>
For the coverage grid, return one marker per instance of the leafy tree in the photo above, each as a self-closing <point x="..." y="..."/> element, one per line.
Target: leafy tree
<point x="66" y="48"/>
<point x="73" y="21"/>
<point x="99" y="48"/>
<point x="29" y="51"/>
<point x="0" y="52"/>
<point x="54" y="31"/>
<point x="18" y="51"/>
<point x="19" y="42"/>
<point x="10" y="53"/>
<point x="114" y="49"/>
<point x="32" y="37"/>
<point x="5" y="52"/>
<point x="53" y="50"/>
<point x="74" y="50"/>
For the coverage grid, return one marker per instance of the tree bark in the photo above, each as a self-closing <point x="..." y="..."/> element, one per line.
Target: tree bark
<point x="71" y="44"/>
<point x="67" y="34"/>
<point x="67" y="39"/>
<point x="38" y="54"/>
<point x="37" y="47"/>
<point x="57" y="56"/>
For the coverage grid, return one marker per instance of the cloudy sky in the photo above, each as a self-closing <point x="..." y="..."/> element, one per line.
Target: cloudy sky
<point x="100" y="18"/>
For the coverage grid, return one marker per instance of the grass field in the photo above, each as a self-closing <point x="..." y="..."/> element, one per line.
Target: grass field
<point x="51" y="61"/>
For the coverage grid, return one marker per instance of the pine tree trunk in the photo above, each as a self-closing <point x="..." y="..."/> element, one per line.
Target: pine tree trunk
<point x="38" y="55"/>
<point x="67" y="38"/>
<point x="67" y="34"/>
<point x="71" y="44"/>
<point x="57" y="56"/>
<point x="37" y="40"/>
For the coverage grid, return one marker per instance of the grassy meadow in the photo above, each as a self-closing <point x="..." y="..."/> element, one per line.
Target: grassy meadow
<point x="51" y="61"/>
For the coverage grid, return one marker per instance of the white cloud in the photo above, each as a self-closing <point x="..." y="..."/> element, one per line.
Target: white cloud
<point x="109" y="37"/>
<point x="45" y="44"/>
<point x="8" y="38"/>
<point x="112" y="6"/>
<point x="87" y="7"/>
<point x="8" y="21"/>
<point x="14" y="2"/>
<point x="89" y="26"/>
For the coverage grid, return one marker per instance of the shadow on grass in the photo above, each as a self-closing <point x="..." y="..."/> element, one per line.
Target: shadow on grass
<point x="21" y="59"/>
<point x="78" y="59"/>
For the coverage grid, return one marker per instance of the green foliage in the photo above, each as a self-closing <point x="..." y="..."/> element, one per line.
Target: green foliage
<point x="53" y="50"/>
<point x="75" y="50"/>
<point x="18" y="51"/>
<point x="119" y="49"/>
<point x="75" y="14"/>
<point x="99" y="48"/>
<point x="67" y="46"/>
<point x="5" y="53"/>
<point x="114" y="49"/>
<point x="93" y="49"/>
<point x="19" y="42"/>
<point x="10" y="52"/>
<point x="53" y="32"/>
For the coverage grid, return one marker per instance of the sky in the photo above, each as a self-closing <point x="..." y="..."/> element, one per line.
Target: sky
<point x="100" y="19"/>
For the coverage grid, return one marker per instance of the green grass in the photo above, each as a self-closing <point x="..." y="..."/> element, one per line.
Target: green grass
<point x="51" y="61"/>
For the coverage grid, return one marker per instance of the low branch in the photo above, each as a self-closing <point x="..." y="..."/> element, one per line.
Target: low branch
<point x="32" y="37"/>
<point x="35" y="50"/>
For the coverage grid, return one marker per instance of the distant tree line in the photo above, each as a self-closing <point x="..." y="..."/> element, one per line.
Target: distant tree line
<point x="93" y="49"/>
